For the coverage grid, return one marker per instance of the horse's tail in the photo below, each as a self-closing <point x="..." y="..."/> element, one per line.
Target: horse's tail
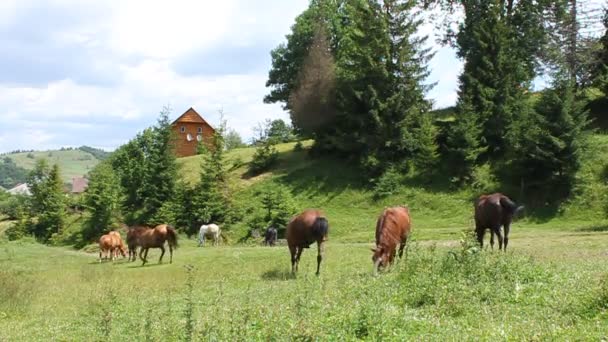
<point x="172" y="237"/>
<point x="321" y="227"/>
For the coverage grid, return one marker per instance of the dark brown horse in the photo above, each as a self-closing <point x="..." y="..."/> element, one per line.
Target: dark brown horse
<point x="303" y="230"/>
<point x="492" y="212"/>
<point x="392" y="228"/>
<point x="146" y="238"/>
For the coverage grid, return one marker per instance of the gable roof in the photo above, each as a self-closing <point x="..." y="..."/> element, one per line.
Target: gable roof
<point x="79" y="184"/>
<point x="191" y="116"/>
<point x="20" y="189"/>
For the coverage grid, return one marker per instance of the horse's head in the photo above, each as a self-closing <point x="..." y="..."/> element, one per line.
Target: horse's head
<point x="380" y="257"/>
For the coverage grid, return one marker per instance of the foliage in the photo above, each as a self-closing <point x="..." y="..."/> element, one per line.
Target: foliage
<point x="265" y="157"/>
<point x="548" y="145"/>
<point x="12" y="206"/>
<point x="389" y="183"/>
<point x="96" y="152"/>
<point x="102" y="199"/>
<point x="147" y="170"/>
<point x="280" y="132"/>
<point x="274" y="207"/>
<point x="483" y="180"/>
<point x="10" y="173"/>
<point x="232" y="140"/>
<point x="209" y="200"/>
<point x="47" y="201"/>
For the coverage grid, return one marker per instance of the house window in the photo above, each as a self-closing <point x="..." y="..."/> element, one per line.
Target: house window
<point x="189" y="137"/>
<point x="199" y="130"/>
<point x="182" y="129"/>
<point x="199" y="137"/>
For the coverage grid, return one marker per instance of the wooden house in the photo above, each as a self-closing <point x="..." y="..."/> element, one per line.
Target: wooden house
<point x="191" y="129"/>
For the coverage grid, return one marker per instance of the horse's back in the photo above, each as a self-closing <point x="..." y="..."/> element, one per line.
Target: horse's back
<point x="300" y="228"/>
<point x="393" y="224"/>
<point x="488" y="210"/>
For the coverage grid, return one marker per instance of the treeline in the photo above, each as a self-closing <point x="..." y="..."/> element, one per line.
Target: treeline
<point x="10" y="173"/>
<point x="352" y="74"/>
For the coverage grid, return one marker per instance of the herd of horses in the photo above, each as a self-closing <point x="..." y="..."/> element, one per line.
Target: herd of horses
<point x="393" y="228"/>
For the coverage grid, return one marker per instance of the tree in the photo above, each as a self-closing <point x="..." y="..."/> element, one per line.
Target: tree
<point x="600" y="74"/>
<point x="210" y="198"/>
<point x="102" y="199"/>
<point x="275" y="207"/>
<point x="147" y="169"/>
<point x="279" y="131"/>
<point x="48" y="201"/>
<point x="548" y="143"/>
<point x="233" y="140"/>
<point x="10" y="173"/>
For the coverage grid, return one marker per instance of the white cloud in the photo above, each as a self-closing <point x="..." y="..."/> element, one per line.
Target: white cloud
<point x="114" y="67"/>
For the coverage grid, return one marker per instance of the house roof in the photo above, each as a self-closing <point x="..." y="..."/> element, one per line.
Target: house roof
<point x="79" y="184"/>
<point x="20" y="189"/>
<point x="191" y="116"/>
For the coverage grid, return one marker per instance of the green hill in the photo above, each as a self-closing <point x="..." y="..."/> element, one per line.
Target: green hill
<point x="438" y="211"/>
<point x="72" y="162"/>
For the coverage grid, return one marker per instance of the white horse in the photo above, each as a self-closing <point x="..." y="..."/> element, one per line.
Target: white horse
<point x="209" y="229"/>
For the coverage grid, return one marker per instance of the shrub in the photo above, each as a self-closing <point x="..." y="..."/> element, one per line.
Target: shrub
<point x="265" y="157"/>
<point x="274" y="207"/>
<point x="298" y="146"/>
<point x="483" y="180"/>
<point x="388" y="183"/>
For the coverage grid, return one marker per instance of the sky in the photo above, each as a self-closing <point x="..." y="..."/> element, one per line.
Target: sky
<point x="76" y="72"/>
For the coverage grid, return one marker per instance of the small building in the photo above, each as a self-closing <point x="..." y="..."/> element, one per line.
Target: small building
<point x="191" y="129"/>
<point x="20" y="189"/>
<point x="79" y="185"/>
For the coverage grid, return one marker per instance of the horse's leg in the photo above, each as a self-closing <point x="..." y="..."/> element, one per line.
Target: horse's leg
<point x="170" y="254"/>
<point x="292" y="251"/>
<point x="320" y="248"/>
<point x="299" y="254"/>
<point x="480" y="233"/>
<point x="498" y="236"/>
<point x="401" y="247"/>
<point x="162" y="252"/>
<point x="100" y="254"/>
<point x="492" y="238"/>
<point x="507" y="228"/>
<point x="144" y="258"/>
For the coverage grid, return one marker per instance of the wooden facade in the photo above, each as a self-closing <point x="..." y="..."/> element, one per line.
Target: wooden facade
<point x="189" y="129"/>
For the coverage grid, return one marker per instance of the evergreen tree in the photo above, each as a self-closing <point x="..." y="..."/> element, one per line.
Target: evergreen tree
<point x="601" y="72"/>
<point x="210" y="198"/>
<point x="48" y="200"/>
<point x="549" y="141"/>
<point x="102" y="199"/>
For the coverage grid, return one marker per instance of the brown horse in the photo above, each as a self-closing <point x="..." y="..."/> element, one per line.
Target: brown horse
<point x="110" y="244"/>
<point x="393" y="227"/>
<point x="147" y="238"/>
<point x="302" y="231"/>
<point x="492" y="212"/>
<point x="132" y="233"/>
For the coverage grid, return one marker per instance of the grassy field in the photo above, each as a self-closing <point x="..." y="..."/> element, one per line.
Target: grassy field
<point x="551" y="285"/>
<point x="438" y="211"/>
<point x="72" y="163"/>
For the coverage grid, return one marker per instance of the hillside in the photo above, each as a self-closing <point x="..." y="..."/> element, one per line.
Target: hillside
<point x="438" y="212"/>
<point x="73" y="163"/>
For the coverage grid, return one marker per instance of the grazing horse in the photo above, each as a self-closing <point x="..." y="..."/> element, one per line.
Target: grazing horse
<point x="302" y="231"/>
<point x="209" y="229"/>
<point x="110" y="244"/>
<point x="393" y="227"/>
<point x="146" y="238"/>
<point x="270" y="236"/>
<point x="492" y="212"/>
<point x="132" y="234"/>
<point x="119" y="244"/>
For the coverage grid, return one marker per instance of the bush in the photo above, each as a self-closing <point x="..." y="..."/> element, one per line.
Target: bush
<point x="388" y="183"/>
<point x="483" y="180"/>
<point x="298" y="146"/>
<point x="265" y="157"/>
<point x="274" y="206"/>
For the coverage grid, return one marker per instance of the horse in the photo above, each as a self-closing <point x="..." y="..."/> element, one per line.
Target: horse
<point x="146" y="238"/>
<point x="491" y="212"/>
<point x="210" y="229"/>
<point x="120" y="246"/>
<point x="303" y="230"/>
<point x="110" y="244"/>
<point x="132" y="233"/>
<point x="270" y="236"/>
<point x="392" y="227"/>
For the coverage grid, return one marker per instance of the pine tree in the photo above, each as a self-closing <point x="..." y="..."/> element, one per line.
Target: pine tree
<point x="48" y="201"/>
<point x="102" y="199"/>
<point x="550" y="140"/>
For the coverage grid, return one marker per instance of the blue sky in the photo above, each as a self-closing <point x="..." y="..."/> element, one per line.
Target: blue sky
<point x="82" y="73"/>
